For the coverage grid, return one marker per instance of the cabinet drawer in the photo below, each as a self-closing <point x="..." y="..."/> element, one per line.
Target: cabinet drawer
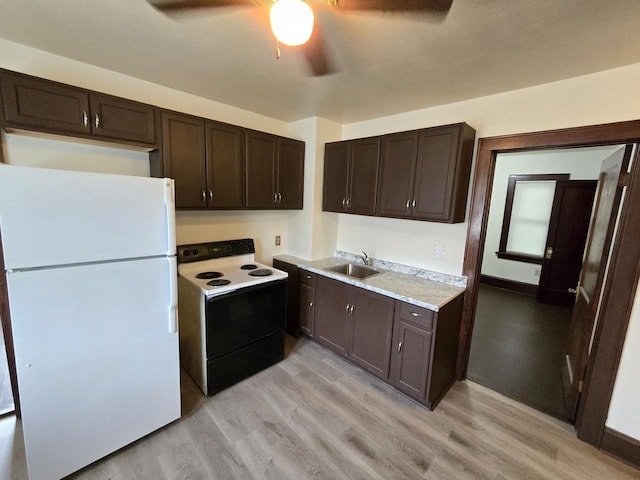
<point x="306" y="277"/>
<point x="421" y="317"/>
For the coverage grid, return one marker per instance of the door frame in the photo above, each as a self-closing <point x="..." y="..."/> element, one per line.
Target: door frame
<point x="622" y="276"/>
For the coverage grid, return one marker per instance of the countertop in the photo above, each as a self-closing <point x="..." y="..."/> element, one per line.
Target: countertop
<point x="411" y="287"/>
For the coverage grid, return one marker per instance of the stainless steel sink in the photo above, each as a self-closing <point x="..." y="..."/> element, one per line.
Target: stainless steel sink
<point x="354" y="270"/>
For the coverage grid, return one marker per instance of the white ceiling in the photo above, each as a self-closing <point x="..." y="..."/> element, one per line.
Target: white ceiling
<point x="388" y="63"/>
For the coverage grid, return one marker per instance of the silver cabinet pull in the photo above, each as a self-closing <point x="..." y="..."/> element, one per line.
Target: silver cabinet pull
<point x="308" y="277"/>
<point x="348" y="202"/>
<point x="351" y="310"/>
<point x="85" y="118"/>
<point x="399" y="347"/>
<point x="344" y="202"/>
<point x="97" y="120"/>
<point x="415" y="314"/>
<point x="408" y="204"/>
<point x="347" y="309"/>
<point x="279" y="197"/>
<point x="413" y="204"/>
<point x="275" y="197"/>
<point x="204" y="197"/>
<point x="211" y="196"/>
<point x="310" y="305"/>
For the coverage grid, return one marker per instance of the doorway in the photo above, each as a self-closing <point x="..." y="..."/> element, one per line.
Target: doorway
<point x="541" y="203"/>
<point x="622" y="273"/>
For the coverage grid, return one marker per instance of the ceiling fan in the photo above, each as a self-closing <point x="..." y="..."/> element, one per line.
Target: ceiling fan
<point x="293" y="22"/>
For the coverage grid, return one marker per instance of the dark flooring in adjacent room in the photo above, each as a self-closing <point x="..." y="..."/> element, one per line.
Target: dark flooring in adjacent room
<point x="518" y="347"/>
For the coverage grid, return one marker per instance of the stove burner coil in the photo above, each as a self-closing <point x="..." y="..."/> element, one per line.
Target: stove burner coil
<point x="261" y="272"/>
<point x="219" y="282"/>
<point x="208" y="275"/>
<point x="248" y="266"/>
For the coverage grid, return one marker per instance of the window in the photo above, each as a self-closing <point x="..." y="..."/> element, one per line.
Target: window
<point x="525" y="224"/>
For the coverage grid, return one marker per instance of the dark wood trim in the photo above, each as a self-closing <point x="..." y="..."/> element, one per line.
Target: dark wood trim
<point x="511" y="285"/>
<point x="621" y="446"/>
<point x="519" y="257"/>
<point x="614" y="315"/>
<point x="7" y="331"/>
<point x="508" y="206"/>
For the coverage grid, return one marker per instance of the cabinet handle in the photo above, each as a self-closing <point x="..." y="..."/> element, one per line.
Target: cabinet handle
<point x="85" y="118"/>
<point x="351" y="310"/>
<point x="347" y="309"/>
<point x="310" y="305"/>
<point x="413" y="204"/>
<point x="408" y="204"/>
<point x="348" y="202"/>
<point x="97" y="120"/>
<point x="308" y="277"/>
<point x="275" y="197"/>
<point x="204" y="197"/>
<point x="415" y="314"/>
<point x="344" y="202"/>
<point x="211" y="196"/>
<point x="399" y="347"/>
<point x="279" y="197"/>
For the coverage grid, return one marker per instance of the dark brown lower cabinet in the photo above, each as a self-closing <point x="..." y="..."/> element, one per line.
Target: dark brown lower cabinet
<point x="306" y="304"/>
<point x="424" y="350"/>
<point x="355" y="323"/>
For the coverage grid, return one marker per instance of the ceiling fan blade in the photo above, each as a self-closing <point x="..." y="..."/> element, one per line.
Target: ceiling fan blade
<point x="183" y="5"/>
<point x="315" y="52"/>
<point x="432" y="6"/>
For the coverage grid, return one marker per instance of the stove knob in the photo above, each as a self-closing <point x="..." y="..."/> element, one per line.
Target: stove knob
<point x="195" y="251"/>
<point x="186" y="253"/>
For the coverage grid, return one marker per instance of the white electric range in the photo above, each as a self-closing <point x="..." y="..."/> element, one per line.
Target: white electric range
<point x="232" y="312"/>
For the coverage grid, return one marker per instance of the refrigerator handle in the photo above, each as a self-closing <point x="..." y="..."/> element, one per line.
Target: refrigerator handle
<point x="170" y="205"/>
<point x="173" y="295"/>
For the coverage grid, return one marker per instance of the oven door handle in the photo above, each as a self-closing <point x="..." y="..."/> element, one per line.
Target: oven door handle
<point x="173" y="295"/>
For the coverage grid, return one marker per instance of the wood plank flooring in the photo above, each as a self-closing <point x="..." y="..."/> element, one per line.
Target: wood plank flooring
<point x="316" y="416"/>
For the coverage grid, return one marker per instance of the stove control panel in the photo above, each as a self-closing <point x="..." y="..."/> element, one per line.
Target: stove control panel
<point x="205" y="251"/>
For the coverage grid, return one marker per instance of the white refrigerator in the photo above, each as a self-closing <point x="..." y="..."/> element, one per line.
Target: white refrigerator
<point x="90" y="267"/>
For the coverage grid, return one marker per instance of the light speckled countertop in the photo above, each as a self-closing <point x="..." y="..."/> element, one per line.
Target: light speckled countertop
<point x="419" y="287"/>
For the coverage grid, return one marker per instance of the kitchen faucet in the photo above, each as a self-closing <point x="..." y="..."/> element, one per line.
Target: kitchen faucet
<point x="365" y="258"/>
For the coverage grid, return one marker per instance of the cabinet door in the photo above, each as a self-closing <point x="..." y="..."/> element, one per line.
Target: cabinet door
<point x="397" y="173"/>
<point x="336" y="172"/>
<point x="411" y="356"/>
<point x="331" y="320"/>
<point x="225" y="165"/>
<point x="364" y="157"/>
<point x="45" y="105"/>
<point x="307" y="308"/>
<point x="261" y="151"/>
<point x="122" y="119"/>
<point x="290" y="173"/>
<point x="435" y="173"/>
<point x="371" y="329"/>
<point x="183" y="149"/>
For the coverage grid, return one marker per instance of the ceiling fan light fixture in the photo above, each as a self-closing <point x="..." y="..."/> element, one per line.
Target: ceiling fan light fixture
<point x="291" y="21"/>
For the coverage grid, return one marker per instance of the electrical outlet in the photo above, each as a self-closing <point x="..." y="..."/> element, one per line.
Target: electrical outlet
<point x="277" y="240"/>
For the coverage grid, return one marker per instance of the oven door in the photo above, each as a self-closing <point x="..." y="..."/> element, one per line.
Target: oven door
<point x="245" y="316"/>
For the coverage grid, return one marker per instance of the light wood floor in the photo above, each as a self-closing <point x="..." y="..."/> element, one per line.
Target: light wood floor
<point x="316" y="416"/>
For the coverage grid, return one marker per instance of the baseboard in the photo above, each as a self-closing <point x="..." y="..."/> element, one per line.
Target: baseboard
<point x="512" y="285"/>
<point x="621" y="446"/>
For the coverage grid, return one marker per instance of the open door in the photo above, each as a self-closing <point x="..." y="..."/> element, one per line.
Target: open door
<point x="568" y="230"/>
<point x="601" y="229"/>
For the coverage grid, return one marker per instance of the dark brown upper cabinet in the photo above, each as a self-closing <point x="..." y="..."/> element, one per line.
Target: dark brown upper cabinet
<point x="274" y="171"/>
<point x="205" y="160"/>
<point x="424" y="174"/>
<point x="184" y="158"/>
<point x="350" y="176"/>
<point x="41" y="105"/>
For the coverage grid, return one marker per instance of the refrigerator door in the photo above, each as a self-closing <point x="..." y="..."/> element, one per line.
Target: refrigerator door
<point x="97" y="358"/>
<point x="57" y="217"/>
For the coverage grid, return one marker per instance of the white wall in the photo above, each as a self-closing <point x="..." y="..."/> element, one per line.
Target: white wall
<point x="580" y="163"/>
